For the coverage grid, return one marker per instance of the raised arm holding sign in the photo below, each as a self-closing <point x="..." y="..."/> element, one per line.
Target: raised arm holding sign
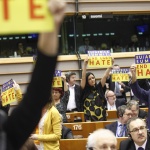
<point x="25" y="16"/>
<point x="140" y="93"/>
<point x="23" y="120"/>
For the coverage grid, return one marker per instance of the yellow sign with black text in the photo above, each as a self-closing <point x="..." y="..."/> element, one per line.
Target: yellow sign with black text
<point x="100" y="61"/>
<point x="25" y="16"/>
<point x="143" y="71"/>
<point x="8" y="96"/>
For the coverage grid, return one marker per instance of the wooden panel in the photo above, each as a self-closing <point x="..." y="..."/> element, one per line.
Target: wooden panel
<point x="112" y="114"/>
<point x="74" y="117"/>
<point x="75" y="144"/>
<point x="85" y="128"/>
<point x="145" y="109"/>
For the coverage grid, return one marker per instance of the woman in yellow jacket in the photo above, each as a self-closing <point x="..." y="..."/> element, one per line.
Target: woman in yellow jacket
<point x="49" y="129"/>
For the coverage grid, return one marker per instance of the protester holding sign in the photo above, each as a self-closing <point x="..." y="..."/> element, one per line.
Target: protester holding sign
<point x="119" y="85"/>
<point x="23" y="120"/>
<point x="5" y="103"/>
<point x="92" y="96"/>
<point x="140" y="93"/>
<point x="61" y="99"/>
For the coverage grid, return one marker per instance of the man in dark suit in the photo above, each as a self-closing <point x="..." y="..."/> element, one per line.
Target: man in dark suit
<point x="74" y="98"/>
<point x="140" y="93"/>
<point x="112" y="102"/>
<point x="119" y="127"/>
<point x="144" y="84"/>
<point x="133" y="105"/>
<point x="139" y="138"/>
<point x="66" y="133"/>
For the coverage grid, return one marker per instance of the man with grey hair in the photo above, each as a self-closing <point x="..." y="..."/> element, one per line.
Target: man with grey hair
<point x="139" y="138"/>
<point x="133" y="105"/>
<point x="101" y="139"/>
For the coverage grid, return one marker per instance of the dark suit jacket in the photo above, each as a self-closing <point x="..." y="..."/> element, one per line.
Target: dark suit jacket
<point x="66" y="133"/>
<point x="141" y="94"/>
<point x="112" y="127"/>
<point x="120" y="102"/>
<point x="129" y="145"/>
<point x="77" y="97"/>
<point x="142" y="114"/>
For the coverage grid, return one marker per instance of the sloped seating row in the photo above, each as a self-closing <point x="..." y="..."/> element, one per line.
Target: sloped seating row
<point x="79" y="116"/>
<point x="83" y="129"/>
<point x="80" y="144"/>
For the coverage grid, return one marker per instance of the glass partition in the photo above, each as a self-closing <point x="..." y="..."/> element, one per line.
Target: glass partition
<point x="118" y="33"/>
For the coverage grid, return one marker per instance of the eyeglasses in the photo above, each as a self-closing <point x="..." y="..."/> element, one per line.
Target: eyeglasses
<point x="135" y="130"/>
<point x="128" y="114"/>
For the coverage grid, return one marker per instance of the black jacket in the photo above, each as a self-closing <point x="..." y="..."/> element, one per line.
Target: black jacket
<point x="66" y="133"/>
<point x="26" y="116"/>
<point x="129" y="144"/>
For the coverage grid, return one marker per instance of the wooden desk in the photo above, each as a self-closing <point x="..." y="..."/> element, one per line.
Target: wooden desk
<point x="80" y="144"/>
<point x="145" y="109"/>
<point x="71" y="117"/>
<point x="112" y="114"/>
<point x="85" y="128"/>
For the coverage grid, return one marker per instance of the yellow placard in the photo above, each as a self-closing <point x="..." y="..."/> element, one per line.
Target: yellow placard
<point x="120" y="77"/>
<point x="100" y="61"/>
<point x="143" y="71"/>
<point x="57" y="82"/>
<point x="25" y="16"/>
<point x="8" y="96"/>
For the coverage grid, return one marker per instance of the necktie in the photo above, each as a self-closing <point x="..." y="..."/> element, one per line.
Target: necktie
<point x="117" y="88"/>
<point x="121" y="130"/>
<point x="140" y="148"/>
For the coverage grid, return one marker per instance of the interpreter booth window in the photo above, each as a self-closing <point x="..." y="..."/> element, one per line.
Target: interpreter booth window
<point x="78" y="34"/>
<point x="118" y="33"/>
<point x="22" y="45"/>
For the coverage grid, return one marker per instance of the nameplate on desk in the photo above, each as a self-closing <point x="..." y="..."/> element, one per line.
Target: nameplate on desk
<point x="77" y="127"/>
<point x="68" y="116"/>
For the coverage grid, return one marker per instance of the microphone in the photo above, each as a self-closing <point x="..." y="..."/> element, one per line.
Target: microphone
<point x="3" y="118"/>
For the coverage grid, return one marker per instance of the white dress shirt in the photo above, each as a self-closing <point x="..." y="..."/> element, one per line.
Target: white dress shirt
<point x="143" y="146"/>
<point x="71" y="103"/>
<point x="111" y="107"/>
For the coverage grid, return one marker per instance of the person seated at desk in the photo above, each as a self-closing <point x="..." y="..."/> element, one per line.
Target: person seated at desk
<point x="66" y="133"/>
<point x="133" y="105"/>
<point x="119" y="127"/>
<point x="112" y="102"/>
<point x="139" y="138"/>
<point x="101" y="139"/>
<point x="84" y="48"/>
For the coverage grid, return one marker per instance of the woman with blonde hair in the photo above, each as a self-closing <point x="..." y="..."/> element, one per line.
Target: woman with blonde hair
<point x="49" y="129"/>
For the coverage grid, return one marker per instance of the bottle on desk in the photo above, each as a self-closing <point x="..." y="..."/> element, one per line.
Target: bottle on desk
<point x="15" y="54"/>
